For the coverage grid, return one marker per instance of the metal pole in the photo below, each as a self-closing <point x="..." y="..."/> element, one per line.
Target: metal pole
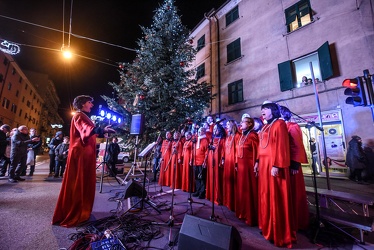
<point x="321" y="124"/>
<point x="369" y="87"/>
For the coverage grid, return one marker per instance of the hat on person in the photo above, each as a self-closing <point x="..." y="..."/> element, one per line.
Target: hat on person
<point x="245" y="115"/>
<point x="356" y="137"/>
<point x="58" y="133"/>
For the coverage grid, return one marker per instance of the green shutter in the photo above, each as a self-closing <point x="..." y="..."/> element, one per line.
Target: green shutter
<point x="325" y="61"/>
<point x="285" y="76"/>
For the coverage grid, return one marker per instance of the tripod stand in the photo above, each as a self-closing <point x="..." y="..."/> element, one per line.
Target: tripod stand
<point x="134" y="166"/>
<point x="143" y="199"/>
<point x="102" y="164"/>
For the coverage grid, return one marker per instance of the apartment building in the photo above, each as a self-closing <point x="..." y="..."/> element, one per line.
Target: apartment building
<point x="256" y="51"/>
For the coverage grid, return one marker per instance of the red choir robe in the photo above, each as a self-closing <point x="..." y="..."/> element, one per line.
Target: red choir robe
<point x="77" y="194"/>
<point x="229" y="173"/>
<point x="275" y="213"/>
<point x="165" y="169"/>
<point x="298" y="193"/>
<point x="176" y="165"/>
<point x="187" y="172"/>
<point x="215" y="171"/>
<point x="246" y="199"/>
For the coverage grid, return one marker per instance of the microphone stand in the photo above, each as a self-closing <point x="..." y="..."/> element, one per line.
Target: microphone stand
<point x="211" y="148"/>
<point x="191" y="177"/>
<point x="309" y="125"/>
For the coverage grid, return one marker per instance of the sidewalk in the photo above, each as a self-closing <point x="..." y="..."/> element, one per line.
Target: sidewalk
<point x="26" y="209"/>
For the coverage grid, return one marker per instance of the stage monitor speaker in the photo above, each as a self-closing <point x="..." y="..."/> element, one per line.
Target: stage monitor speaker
<point x="134" y="189"/>
<point x="137" y="124"/>
<point x="197" y="233"/>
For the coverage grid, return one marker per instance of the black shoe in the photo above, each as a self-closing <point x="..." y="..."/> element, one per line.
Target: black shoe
<point x="12" y="180"/>
<point x="23" y="174"/>
<point x="1" y="175"/>
<point x="19" y="178"/>
<point x="196" y="194"/>
<point x="31" y="174"/>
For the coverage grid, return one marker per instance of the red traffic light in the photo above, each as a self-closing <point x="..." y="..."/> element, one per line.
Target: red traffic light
<point x="350" y="83"/>
<point x="356" y="92"/>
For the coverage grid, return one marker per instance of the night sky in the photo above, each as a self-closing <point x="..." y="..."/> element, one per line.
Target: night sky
<point x="110" y="30"/>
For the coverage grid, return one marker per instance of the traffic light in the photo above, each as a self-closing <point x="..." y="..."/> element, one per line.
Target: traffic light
<point x="356" y="92"/>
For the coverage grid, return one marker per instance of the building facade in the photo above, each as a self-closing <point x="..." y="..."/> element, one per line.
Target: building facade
<point x="27" y="98"/>
<point x="256" y="51"/>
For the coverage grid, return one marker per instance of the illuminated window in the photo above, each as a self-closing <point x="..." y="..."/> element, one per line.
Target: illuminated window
<point x="298" y="15"/>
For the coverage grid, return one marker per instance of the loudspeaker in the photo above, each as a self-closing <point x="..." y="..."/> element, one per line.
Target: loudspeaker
<point x="134" y="189"/>
<point x="137" y="124"/>
<point x="197" y="233"/>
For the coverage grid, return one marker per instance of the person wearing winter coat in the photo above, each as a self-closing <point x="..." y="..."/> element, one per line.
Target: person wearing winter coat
<point x="356" y="159"/>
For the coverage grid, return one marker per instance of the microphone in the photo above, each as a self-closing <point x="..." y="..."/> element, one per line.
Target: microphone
<point x="219" y="121"/>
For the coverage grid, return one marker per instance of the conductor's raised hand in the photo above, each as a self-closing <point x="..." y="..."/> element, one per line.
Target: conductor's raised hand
<point x="108" y="129"/>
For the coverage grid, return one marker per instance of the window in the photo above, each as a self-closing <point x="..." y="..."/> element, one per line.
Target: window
<point x="28" y="104"/>
<point x="291" y="72"/>
<point x="9" y="86"/>
<point x="235" y="92"/>
<point x="23" y="99"/>
<point x="6" y="103"/>
<point x="200" y="71"/>
<point x="17" y="93"/>
<point x="13" y="71"/>
<point x="25" y="115"/>
<point x="20" y="113"/>
<point x="232" y="15"/>
<point x="20" y="80"/>
<point x="201" y="43"/>
<point x="14" y="108"/>
<point x="298" y="15"/>
<point x="6" y="61"/>
<point x="233" y="50"/>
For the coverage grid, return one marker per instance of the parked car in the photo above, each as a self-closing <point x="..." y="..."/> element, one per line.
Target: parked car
<point x="123" y="156"/>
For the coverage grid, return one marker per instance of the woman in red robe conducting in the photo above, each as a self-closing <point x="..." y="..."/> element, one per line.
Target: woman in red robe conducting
<point x="165" y="169"/>
<point x="214" y="177"/>
<point x="187" y="172"/>
<point x="74" y="204"/>
<point x="246" y="204"/>
<point x="229" y="165"/>
<point x="274" y="186"/>
<point x="298" y="156"/>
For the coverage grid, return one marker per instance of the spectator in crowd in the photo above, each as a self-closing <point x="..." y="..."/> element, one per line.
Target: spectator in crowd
<point x="356" y="159"/>
<point x="61" y="153"/>
<point x="52" y="147"/>
<point x="111" y="157"/>
<point x="18" y="154"/>
<point x="4" y="143"/>
<point x="77" y="194"/>
<point x="368" y="173"/>
<point x="33" y="151"/>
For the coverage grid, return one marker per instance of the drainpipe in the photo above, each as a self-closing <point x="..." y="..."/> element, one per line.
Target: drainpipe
<point x="212" y="14"/>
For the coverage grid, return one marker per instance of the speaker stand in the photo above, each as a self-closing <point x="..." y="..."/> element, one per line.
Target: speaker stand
<point x="134" y="166"/>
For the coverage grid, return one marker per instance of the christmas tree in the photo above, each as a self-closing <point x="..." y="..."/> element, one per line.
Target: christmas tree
<point x="160" y="82"/>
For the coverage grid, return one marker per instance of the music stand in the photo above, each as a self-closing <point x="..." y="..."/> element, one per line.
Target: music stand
<point x="144" y="154"/>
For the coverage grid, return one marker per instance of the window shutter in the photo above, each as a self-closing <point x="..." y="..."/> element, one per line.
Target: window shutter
<point x="285" y="76"/>
<point x="325" y="61"/>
